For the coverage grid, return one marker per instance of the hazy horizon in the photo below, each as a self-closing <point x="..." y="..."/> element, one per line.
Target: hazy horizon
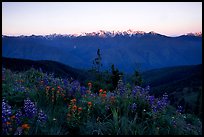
<point x="45" y="18"/>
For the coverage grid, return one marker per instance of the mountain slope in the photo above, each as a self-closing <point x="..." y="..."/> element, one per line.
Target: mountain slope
<point x="182" y="83"/>
<point x="46" y="66"/>
<point x="125" y="50"/>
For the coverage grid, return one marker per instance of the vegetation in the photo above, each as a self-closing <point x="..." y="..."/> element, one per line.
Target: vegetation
<point x="38" y="103"/>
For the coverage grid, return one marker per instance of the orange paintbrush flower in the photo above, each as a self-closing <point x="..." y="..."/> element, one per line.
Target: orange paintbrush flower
<point x="47" y="88"/>
<point x="79" y="109"/>
<point x="89" y="104"/>
<point x="103" y="95"/>
<point x="89" y="84"/>
<point x="8" y="123"/>
<point x="101" y="90"/>
<point x="73" y="100"/>
<point x="12" y="117"/>
<point x="25" y="126"/>
<point x="74" y="108"/>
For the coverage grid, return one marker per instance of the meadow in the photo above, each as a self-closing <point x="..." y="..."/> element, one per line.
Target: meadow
<point x="39" y="103"/>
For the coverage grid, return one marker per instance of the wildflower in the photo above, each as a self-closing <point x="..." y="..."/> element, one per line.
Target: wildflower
<point x="104" y="95"/>
<point x="104" y="92"/>
<point x="65" y="99"/>
<point x="53" y="89"/>
<point x="73" y="100"/>
<point x="101" y="90"/>
<point x="59" y="87"/>
<point x="74" y="108"/>
<point x="62" y="95"/>
<point x="42" y="117"/>
<point x="121" y="87"/>
<point x="179" y="109"/>
<point x="6" y="109"/>
<point x="41" y="82"/>
<point x="25" y="126"/>
<point x="89" y="104"/>
<point x="8" y="123"/>
<point x="151" y="100"/>
<point x="12" y="117"/>
<point x="88" y="91"/>
<point x="47" y="88"/>
<point x="29" y="108"/>
<point x="79" y="109"/>
<point x="18" y="117"/>
<point x="89" y="84"/>
<point x="58" y="91"/>
<point x="134" y="106"/>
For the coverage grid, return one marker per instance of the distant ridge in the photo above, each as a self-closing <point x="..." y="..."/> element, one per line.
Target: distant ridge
<point x="104" y="33"/>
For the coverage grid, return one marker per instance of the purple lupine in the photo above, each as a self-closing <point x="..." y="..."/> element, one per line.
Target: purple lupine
<point x="83" y="90"/>
<point x="42" y="117"/>
<point x="6" y="113"/>
<point x="147" y="88"/>
<point x="120" y="87"/>
<point x="65" y="82"/>
<point x="134" y="91"/>
<point x="30" y="108"/>
<point x="6" y="109"/>
<point x="179" y="109"/>
<point x="151" y="100"/>
<point x="134" y="107"/>
<point x="75" y="85"/>
<point x="19" y="117"/>
<point x="159" y="105"/>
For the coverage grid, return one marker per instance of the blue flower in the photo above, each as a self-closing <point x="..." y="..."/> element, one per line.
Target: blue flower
<point x="30" y="108"/>
<point x="19" y="116"/>
<point x="179" y="109"/>
<point x="121" y="87"/>
<point x="134" y="107"/>
<point x="42" y="117"/>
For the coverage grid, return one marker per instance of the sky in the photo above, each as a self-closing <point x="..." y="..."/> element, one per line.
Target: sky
<point x="43" y="18"/>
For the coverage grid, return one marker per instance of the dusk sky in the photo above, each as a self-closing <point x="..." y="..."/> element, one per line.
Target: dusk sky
<point x="42" y="18"/>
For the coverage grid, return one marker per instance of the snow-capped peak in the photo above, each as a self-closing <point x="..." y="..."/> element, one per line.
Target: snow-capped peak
<point x="199" y="34"/>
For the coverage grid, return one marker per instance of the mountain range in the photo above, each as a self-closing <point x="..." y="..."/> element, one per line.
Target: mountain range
<point x="127" y="50"/>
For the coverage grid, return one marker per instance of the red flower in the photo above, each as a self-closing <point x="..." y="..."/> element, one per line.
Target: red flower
<point x="103" y="95"/>
<point x="89" y="104"/>
<point x="79" y="109"/>
<point x="101" y="90"/>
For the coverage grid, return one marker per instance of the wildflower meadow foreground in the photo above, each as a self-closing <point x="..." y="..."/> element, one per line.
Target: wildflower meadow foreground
<point x="37" y="103"/>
